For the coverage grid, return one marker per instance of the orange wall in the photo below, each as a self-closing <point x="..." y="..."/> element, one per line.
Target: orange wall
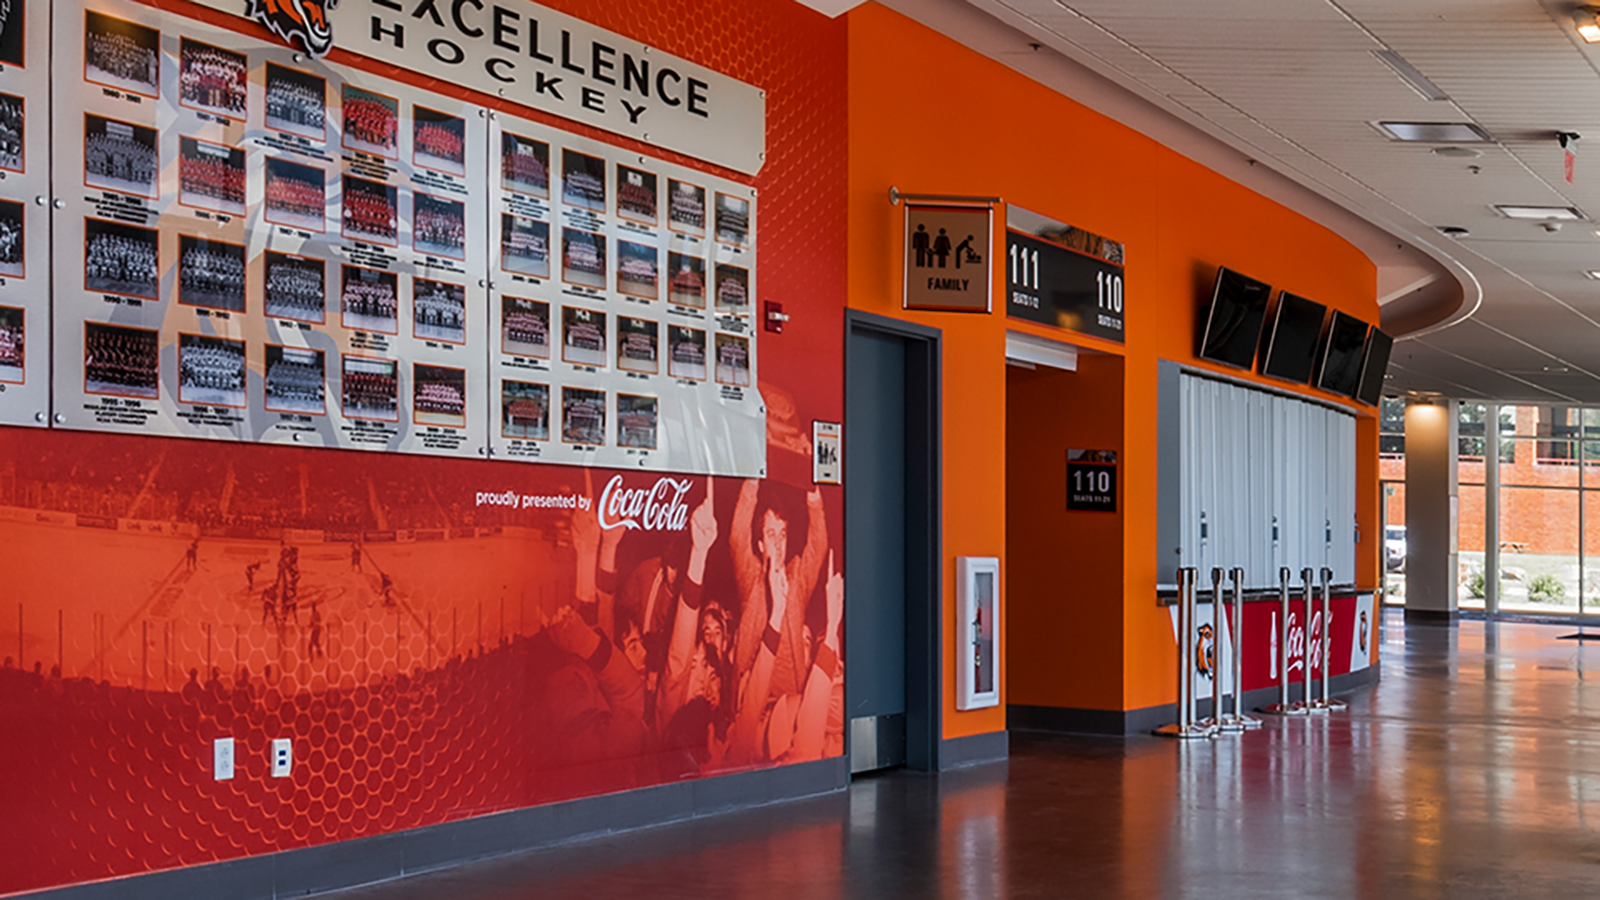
<point x="1179" y="221"/>
<point x="1065" y="622"/>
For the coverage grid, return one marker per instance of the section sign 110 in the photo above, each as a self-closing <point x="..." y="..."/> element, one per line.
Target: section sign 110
<point x="1058" y="286"/>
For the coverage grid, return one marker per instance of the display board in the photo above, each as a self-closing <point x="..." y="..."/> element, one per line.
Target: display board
<point x="256" y="245"/>
<point x="621" y="308"/>
<point x="24" y="212"/>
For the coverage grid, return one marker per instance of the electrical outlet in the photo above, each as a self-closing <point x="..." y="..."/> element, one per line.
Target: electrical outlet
<point x="222" y="759"/>
<point x="281" y="757"/>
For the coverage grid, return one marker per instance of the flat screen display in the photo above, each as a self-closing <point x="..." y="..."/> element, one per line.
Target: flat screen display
<point x="1340" y="371"/>
<point x="1233" y="324"/>
<point x="1292" y="338"/>
<point x="1373" y="367"/>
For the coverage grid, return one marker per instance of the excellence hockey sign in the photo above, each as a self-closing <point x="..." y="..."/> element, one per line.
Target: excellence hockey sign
<point x="552" y="62"/>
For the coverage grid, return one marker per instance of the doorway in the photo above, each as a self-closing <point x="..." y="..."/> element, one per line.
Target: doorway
<point x="893" y="579"/>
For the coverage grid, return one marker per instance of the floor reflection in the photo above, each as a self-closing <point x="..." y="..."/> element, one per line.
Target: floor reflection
<point x="1471" y="770"/>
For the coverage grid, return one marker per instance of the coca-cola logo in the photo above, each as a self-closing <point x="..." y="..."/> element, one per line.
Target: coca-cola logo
<point x="660" y="507"/>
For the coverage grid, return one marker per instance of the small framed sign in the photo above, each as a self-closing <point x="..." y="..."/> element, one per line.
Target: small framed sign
<point x="1092" y="480"/>
<point x="947" y="264"/>
<point x="826" y="466"/>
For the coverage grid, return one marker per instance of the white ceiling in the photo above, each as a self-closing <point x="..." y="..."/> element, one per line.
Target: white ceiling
<point x="1503" y="314"/>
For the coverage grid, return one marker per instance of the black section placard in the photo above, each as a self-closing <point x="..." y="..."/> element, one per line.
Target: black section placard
<point x="1053" y="285"/>
<point x="1091" y="486"/>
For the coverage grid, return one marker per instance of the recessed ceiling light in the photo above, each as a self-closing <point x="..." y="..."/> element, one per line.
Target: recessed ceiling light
<point x="1593" y="274"/>
<point x="1515" y="211"/>
<point x="1557" y="369"/>
<point x="1583" y="18"/>
<point x="1455" y="231"/>
<point x="1436" y="132"/>
<point x="1409" y="74"/>
<point x="1457" y="152"/>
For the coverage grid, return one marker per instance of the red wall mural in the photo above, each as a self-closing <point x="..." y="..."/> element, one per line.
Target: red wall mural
<point x="439" y="638"/>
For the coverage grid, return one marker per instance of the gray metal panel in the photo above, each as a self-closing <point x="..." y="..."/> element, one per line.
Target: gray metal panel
<point x="1247" y="456"/>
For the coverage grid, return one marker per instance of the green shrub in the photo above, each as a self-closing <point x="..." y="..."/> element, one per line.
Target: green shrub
<point x="1475" y="586"/>
<point x="1546" y="588"/>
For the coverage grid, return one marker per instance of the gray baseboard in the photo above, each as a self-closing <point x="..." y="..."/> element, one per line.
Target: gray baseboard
<point x="974" y="750"/>
<point x="1062" y="720"/>
<point x="344" y="864"/>
<point x="1432" y="616"/>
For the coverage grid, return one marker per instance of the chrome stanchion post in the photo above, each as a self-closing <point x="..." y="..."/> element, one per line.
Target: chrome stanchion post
<point x="1185" y="728"/>
<point x="1237" y="720"/>
<point x="1214" y="721"/>
<point x="1283" y="707"/>
<point x="1308" y="689"/>
<point x="1331" y="705"/>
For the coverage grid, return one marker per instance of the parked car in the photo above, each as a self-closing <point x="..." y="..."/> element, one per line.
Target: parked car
<point x="1394" y="548"/>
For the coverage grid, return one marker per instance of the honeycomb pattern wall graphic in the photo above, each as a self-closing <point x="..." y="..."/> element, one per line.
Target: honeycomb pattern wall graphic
<point x="417" y="675"/>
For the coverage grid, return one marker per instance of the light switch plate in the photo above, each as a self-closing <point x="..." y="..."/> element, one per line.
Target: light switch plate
<point x="222" y="759"/>
<point x="281" y="757"/>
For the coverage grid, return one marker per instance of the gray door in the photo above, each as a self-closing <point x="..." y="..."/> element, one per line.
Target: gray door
<point x="875" y="549"/>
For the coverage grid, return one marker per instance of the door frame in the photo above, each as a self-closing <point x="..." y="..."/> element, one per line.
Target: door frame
<point x="924" y="530"/>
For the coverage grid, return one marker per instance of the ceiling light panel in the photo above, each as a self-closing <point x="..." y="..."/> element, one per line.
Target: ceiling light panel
<point x="1436" y="132"/>
<point x="1539" y="213"/>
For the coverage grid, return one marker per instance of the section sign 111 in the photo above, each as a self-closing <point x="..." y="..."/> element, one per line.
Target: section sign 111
<point x="1061" y="287"/>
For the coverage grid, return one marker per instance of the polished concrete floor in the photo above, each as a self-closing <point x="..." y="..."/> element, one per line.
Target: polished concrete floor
<point x="1471" y="770"/>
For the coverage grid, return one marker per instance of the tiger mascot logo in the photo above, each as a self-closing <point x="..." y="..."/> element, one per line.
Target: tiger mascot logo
<point x="1363" y="631"/>
<point x="1205" y="653"/>
<point x="303" y="22"/>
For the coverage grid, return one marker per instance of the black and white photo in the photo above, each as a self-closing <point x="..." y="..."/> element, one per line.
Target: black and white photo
<point x="211" y="371"/>
<point x="296" y="380"/>
<point x="120" y="156"/>
<point x="121" y="259"/>
<point x="368" y="299"/>
<point x="439" y="310"/>
<point x="210" y="273"/>
<point x="295" y="287"/>
<point x="121" y="54"/>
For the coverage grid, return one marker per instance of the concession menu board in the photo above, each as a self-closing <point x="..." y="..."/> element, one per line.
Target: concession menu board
<point x="622" y="291"/>
<point x="255" y="245"/>
<point x="24" y="213"/>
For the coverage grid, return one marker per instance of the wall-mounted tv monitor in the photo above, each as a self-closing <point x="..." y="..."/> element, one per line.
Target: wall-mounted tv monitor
<point x="1291" y="347"/>
<point x="1339" y="363"/>
<point x="1233" y="323"/>
<point x="1373" y="367"/>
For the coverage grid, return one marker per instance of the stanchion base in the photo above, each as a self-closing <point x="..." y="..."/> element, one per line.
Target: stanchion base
<point x="1327" y="706"/>
<point x="1284" y="709"/>
<point x="1316" y="708"/>
<point x="1239" y="723"/>
<point x="1184" y="732"/>
<point x="1218" y="726"/>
